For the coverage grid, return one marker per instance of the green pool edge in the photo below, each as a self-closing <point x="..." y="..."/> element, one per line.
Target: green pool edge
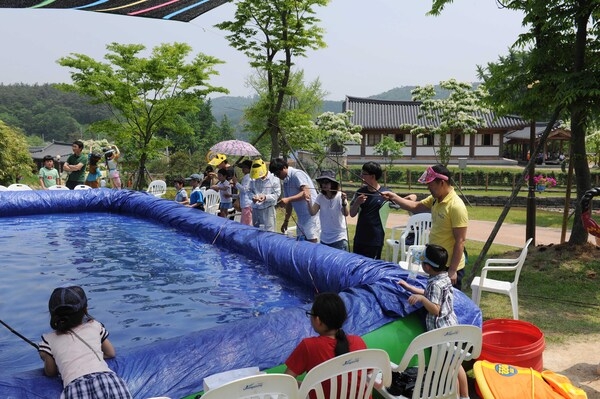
<point x="393" y="338"/>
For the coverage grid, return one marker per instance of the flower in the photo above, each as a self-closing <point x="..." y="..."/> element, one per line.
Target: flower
<point x="541" y="180"/>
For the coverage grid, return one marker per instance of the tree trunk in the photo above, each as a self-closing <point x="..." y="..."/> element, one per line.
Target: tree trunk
<point x="140" y="179"/>
<point x="579" y="234"/>
<point x="579" y="113"/>
<point x="274" y="133"/>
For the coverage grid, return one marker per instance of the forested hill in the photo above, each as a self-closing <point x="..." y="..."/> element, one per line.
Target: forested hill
<point x="47" y="113"/>
<point x="233" y="107"/>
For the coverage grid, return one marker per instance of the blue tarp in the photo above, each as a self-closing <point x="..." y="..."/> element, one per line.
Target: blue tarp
<point x="176" y="367"/>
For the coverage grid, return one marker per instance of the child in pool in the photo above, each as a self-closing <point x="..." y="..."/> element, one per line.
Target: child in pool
<point x="76" y="349"/>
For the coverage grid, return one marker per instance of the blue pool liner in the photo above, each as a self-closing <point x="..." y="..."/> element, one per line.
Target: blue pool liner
<point x="176" y="367"/>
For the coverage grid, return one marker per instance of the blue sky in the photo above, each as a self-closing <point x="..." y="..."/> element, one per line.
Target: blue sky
<point x="373" y="45"/>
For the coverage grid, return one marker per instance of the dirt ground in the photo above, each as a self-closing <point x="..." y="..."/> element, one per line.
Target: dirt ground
<point x="579" y="360"/>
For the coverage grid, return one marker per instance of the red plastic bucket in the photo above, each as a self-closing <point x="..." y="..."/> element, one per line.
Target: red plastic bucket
<point x="513" y="342"/>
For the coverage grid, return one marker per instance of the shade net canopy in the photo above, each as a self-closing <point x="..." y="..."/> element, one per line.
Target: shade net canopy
<point x="174" y="10"/>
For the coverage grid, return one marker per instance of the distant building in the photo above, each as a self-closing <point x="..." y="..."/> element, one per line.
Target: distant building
<point x="55" y="149"/>
<point x="383" y="117"/>
<point x="517" y="143"/>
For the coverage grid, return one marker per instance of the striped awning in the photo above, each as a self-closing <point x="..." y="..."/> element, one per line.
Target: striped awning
<point x="173" y="10"/>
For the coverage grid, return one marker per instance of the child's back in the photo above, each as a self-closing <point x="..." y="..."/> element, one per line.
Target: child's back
<point x="76" y="349"/>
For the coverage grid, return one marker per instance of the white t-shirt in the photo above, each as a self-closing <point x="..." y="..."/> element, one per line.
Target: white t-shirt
<point x="333" y="222"/>
<point x="74" y="358"/>
<point x="225" y="191"/>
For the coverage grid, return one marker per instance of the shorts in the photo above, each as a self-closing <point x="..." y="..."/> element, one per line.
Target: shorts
<point x="97" y="385"/>
<point x="224" y="206"/>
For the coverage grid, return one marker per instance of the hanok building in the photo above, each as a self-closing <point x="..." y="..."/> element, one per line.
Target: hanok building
<point x="517" y="144"/>
<point x="59" y="151"/>
<point x="383" y="117"/>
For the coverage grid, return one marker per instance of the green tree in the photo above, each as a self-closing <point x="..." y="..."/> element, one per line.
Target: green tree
<point x="145" y="95"/>
<point x="391" y="150"/>
<point x="201" y="121"/>
<point x="561" y="69"/>
<point x="592" y="145"/>
<point x="300" y="108"/>
<point x="272" y="34"/>
<point x="328" y="135"/>
<point x="15" y="160"/>
<point x="458" y="114"/>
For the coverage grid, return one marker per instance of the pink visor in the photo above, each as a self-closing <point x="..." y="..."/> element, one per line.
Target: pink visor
<point x="430" y="175"/>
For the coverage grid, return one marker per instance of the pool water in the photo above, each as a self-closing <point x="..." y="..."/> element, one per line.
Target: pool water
<point x="145" y="282"/>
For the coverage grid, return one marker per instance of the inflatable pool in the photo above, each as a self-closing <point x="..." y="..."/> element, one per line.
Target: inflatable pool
<point x="176" y="367"/>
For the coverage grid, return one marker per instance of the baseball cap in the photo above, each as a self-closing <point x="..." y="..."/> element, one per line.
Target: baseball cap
<point x="67" y="299"/>
<point x="430" y="175"/>
<point x="216" y="161"/>
<point x="195" y="176"/>
<point x="259" y="169"/>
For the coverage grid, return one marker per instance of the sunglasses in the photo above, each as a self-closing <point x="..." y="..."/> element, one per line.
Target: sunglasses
<point x="309" y="314"/>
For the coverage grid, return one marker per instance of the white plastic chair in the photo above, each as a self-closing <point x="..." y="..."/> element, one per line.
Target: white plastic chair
<point x="412" y="264"/>
<point x="82" y="187"/>
<point x="393" y="243"/>
<point x="351" y="375"/>
<point x="449" y="347"/>
<point x="18" y="187"/>
<point x="261" y="386"/>
<point x="158" y="188"/>
<point x="484" y="283"/>
<point x="211" y="201"/>
<point x="58" y="187"/>
<point x="420" y="225"/>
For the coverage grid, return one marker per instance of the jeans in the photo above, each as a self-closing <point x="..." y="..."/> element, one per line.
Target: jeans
<point x="341" y="244"/>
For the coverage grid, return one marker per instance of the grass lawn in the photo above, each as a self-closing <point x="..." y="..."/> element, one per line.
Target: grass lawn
<point x="558" y="287"/>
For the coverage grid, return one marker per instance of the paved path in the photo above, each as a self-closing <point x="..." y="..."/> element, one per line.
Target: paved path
<point x="509" y="234"/>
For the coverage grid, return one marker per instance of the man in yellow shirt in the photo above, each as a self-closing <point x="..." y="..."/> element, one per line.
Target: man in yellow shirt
<point x="449" y="217"/>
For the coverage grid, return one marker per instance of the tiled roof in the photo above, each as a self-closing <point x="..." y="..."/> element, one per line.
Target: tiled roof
<point x="524" y="134"/>
<point x="385" y="114"/>
<point x="54" y="149"/>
